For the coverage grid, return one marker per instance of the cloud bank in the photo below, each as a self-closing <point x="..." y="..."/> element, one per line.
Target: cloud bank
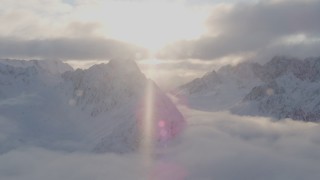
<point x="214" y="146"/>
<point x="264" y="28"/>
<point x="69" y="49"/>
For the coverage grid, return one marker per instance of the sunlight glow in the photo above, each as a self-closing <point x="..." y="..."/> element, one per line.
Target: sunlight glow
<point x="149" y="62"/>
<point x="299" y="38"/>
<point x="151" y="24"/>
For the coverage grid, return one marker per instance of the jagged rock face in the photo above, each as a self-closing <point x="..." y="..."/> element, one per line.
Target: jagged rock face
<point x="49" y="66"/>
<point x="308" y="69"/>
<point x="286" y="97"/>
<point x="96" y="109"/>
<point x="259" y="92"/>
<point x="18" y="76"/>
<point x="105" y="86"/>
<point x="291" y="89"/>
<point x="282" y="88"/>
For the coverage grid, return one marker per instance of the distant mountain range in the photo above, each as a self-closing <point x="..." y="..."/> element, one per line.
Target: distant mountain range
<point x="282" y="88"/>
<point x="102" y="109"/>
<point x="99" y="109"/>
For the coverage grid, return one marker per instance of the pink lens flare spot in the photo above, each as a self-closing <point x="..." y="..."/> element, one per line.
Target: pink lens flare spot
<point x="163" y="133"/>
<point x="161" y="123"/>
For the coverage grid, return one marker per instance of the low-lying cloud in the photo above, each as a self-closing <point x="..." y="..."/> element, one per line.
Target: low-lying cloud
<point x="214" y="146"/>
<point x="69" y="48"/>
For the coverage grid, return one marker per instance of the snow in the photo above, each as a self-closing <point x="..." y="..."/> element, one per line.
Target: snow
<point x="282" y="88"/>
<point x="86" y="124"/>
<point x="219" y="90"/>
<point x="95" y="109"/>
<point x="50" y="66"/>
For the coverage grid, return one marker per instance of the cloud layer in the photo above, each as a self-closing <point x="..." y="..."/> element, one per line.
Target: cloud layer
<point x="67" y="30"/>
<point x="260" y="28"/>
<point x="69" y="49"/>
<point x="256" y="29"/>
<point x="214" y="146"/>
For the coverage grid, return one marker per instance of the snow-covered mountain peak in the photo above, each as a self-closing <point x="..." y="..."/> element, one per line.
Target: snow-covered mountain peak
<point x="47" y="66"/>
<point x="103" y="87"/>
<point x="224" y="87"/>
<point x="284" y="87"/>
<point x="307" y="69"/>
<point x="102" y="105"/>
<point x="124" y="65"/>
<point x="29" y="75"/>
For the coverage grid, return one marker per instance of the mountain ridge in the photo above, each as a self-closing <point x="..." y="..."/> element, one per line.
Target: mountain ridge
<point x="89" y="110"/>
<point x="284" y="87"/>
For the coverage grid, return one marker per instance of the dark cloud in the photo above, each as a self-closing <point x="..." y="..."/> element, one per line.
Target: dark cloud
<point x="250" y="27"/>
<point x="69" y="48"/>
<point x="80" y="29"/>
<point x="299" y="50"/>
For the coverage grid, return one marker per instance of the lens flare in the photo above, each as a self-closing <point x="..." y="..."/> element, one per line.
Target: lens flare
<point x="146" y="119"/>
<point x="159" y="121"/>
<point x="147" y="125"/>
<point x="161" y="124"/>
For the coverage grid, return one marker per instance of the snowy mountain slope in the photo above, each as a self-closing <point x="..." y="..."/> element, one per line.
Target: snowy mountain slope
<point x="48" y="66"/>
<point x="307" y="69"/>
<point x="282" y="88"/>
<point x="29" y="101"/>
<point x="291" y="92"/>
<point x="118" y="90"/>
<point x="219" y="90"/>
<point x="93" y="109"/>
<point x="18" y="76"/>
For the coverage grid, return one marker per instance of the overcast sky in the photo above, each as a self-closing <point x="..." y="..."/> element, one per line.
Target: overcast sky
<point x="214" y="32"/>
<point x="258" y="28"/>
<point x="206" y="30"/>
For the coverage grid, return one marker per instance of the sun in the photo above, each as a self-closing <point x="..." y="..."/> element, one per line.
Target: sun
<point x="150" y="62"/>
<point x="153" y="24"/>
